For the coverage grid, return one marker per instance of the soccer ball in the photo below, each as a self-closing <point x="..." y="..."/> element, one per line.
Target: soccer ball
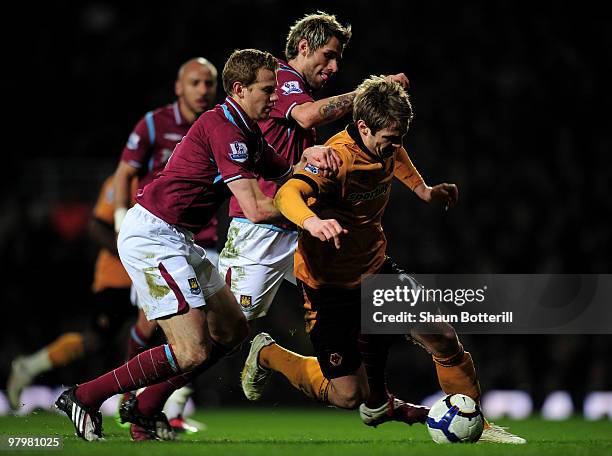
<point x="455" y="418"/>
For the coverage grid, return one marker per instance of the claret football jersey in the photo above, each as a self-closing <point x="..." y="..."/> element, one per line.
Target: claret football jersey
<point x="280" y="130"/>
<point x="223" y="145"/>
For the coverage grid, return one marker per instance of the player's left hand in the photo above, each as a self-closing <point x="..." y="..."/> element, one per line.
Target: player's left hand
<point x="400" y="78"/>
<point x="324" y="158"/>
<point x="445" y="194"/>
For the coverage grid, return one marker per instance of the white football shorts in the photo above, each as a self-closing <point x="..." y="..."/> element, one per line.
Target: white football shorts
<point x="168" y="270"/>
<point x="255" y="261"/>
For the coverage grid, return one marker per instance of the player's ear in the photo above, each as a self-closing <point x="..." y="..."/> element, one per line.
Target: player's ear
<point x="363" y="128"/>
<point x="303" y="48"/>
<point x="178" y="88"/>
<point x="238" y="89"/>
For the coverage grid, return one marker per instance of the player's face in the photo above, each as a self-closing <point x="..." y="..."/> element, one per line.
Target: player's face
<point x="260" y="96"/>
<point x="385" y="142"/>
<point x="196" y="88"/>
<point x="320" y="65"/>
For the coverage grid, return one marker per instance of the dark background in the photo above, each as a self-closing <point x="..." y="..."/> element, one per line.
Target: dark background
<point x="511" y="103"/>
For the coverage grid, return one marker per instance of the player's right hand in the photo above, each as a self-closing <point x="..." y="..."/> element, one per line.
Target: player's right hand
<point x="325" y="230"/>
<point x="401" y="78"/>
<point x="324" y="158"/>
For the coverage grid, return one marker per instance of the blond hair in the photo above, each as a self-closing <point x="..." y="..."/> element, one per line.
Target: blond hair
<point x="242" y="66"/>
<point x="317" y="29"/>
<point x="382" y="104"/>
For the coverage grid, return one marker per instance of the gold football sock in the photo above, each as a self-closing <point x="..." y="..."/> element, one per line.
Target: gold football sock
<point x="66" y="348"/>
<point x="457" y="374"/>
<point x="303" y="372"/>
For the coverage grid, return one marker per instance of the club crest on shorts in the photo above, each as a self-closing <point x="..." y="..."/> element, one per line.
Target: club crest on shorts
<point x="335" y="359"/>
<point x="246" y="301"/>
<point x="194" y="286"/>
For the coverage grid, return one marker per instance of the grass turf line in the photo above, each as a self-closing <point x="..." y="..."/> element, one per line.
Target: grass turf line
<point x="324" y="431"/>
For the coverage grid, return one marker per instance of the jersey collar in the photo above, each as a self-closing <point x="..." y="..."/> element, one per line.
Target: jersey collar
<point x="178" y="117"/>
<point x="245" y="120"/>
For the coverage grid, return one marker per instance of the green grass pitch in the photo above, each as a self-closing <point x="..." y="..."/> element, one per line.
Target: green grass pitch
<point x="313" y="431"/>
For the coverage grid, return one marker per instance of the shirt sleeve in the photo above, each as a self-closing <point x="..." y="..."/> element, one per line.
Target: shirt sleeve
<point x="138" y="146"/>
<point x="273" y="167"/>
<point x="291" y="92"/>
<point x="405" y="171"/>
<point x="230" y="150"/>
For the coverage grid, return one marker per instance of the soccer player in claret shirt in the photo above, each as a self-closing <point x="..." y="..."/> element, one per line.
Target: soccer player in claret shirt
<point x="223" y="152"/>
<point x="145" y="154"/>
<point x="257" y="258"/>
<point x="342" y="239"/>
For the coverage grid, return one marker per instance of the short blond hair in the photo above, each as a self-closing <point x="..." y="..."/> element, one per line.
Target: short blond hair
<point x="382" y="104"/>
<point x="242" y="66"/>
<point x="317" y="29"/>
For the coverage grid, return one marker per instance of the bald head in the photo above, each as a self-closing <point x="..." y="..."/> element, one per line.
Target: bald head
<point x="194" y="63"/>
<point x="196" y="87"/>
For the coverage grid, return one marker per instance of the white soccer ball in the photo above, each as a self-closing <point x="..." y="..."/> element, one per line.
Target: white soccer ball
<point x="455" y="418"/>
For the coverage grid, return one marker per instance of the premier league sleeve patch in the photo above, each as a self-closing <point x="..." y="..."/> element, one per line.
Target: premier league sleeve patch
<point x="238" y="152"/>
<point x="311" y="169"/>
<point x="133" y="141"/>
<point x="291" y="87"/>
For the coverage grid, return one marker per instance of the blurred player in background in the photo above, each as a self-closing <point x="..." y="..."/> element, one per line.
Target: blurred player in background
<point x="110" y="303"/>
<point x="177" y="285"/>
<point x="342" y="240"/>
<point x="147" y="150"/>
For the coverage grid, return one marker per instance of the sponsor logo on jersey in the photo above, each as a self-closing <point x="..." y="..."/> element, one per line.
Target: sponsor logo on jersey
<point x="173" y="137"/>
<point x="246" y="301"/>
<point x="335" y="359"/>
<point x="238" y="151"/>
<point x="311" y="169"/>
<point x="133" y="141"/>
<point x="367" y="196"/>
<point x="194" y="286"/>
<point x="290" y="87"/>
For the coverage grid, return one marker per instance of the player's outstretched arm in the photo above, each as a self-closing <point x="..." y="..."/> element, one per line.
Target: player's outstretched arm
<point x="291" y="201"/>
<point x="444" y="194"/>
<point x="315" y="113"/>
<point x="257" y="207"/>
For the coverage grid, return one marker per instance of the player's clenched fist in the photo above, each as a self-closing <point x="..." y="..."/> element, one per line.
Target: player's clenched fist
<point x="445" y="194"/>
<point x="325" y="230"/>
